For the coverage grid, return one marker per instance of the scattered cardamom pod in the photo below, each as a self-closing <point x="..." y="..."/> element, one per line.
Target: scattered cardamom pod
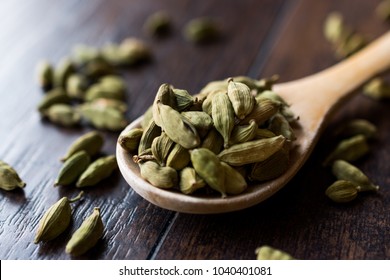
<point x="83" y="54"/>
<point x="9" y="178"/>
<point x="62" y="71"/>
<point x="104" y="103"/>
<point x="270" y="253"/>
<point x="377" y="88"/>
<point x="158" y="24"/>
<point x="72" y="168"/>
<point x="342" y="191"/>
<point x="62" y="114"/>
<point x="343" y="170"/>
<point x="97" y="171"/>
<point x="90" y="142"/>
<point x="349" y="149"/>
<point x="356" y="127"/>
<point x="133" y="51"/>
<point x="56" y="219"/>
<point x="45" y="74"/>
<point x="87" y="235"/>
<point x="54" y="96"/>
<point x="76" y="85"/>
<point x="201" y="30"/>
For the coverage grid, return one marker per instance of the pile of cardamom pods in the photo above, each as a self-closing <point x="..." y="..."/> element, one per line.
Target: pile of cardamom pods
<point x="234" y="131"/>
<point x="86" y="87"/>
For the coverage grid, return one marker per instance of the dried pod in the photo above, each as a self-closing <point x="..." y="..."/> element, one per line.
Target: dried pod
<point x="243" y="133"/>
<point x="133" y="51"/>
<point x="54" y="96"/>
<point x="201" y="30"/>
<point x="184" y="100"/>
<point x="98" y="68"/>
<point x="234" y="182"/>
<point x="264" y="133"/>
<point x="83" y="54"/>
<point x="345" y="171"/>
<point x="130" y="139"/>
<point x="190" y="181"/>
<point x="97" y="171"/>
<point x="104" y="103"/>
<point x="377" y="88"/>
<point x="272" y="167"/>
<point x="161" y="147"/>
<point x="342" y="191"/>
<point x="209" y="168"/>
<point x="270" y="253"/>
<point x="45" y="74"/>
<point x="213" y="141"/>
<point x="177" y="127"/>
<point x="241" y="98"/>
<point x="164" y="96"/>
<point x="178" y="157"/>
<point x="147" y="117"/>
<point x="72" y="168"/>
<point x="158" y="24"/>
<point x="9" y="178"/>
<point x="200" y="120"/>
<point x="62" y="114"/>
<point x="76" y="85"/>
<point x="356" y="127"/>
<point x="87" y="235"/>
<point x="207" y="102"/>
<point x="150" y="132"/>
<point x="252" y="151"/>
<point x="105" y="90"/>
<point x="280" y="126"/>
<point x="263" y="110"/>
<point x="223" y="116"/>
<point x="164" y="177"/>
<point x="62" y="71"/>
<point x="56" y="219"/>
<point x="107" y="118"/>
<point x="91" y="143"/>
<point x="349" y="149"/>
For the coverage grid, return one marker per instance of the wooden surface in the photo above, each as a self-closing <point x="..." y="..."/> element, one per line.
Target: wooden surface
<point x="261" y="38"/>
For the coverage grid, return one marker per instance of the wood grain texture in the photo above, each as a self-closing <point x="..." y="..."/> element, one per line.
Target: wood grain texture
<point x="281" y="37"/>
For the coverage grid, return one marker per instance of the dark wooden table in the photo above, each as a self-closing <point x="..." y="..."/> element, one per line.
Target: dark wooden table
<point x="261" y="38"/>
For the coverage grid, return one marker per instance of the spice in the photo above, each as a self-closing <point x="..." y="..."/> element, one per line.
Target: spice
<point x="270" y="253"/>
<point x="9" y="178"/>
<point x="72" y="168"/>
<point x="158" y="24"/>
<point x="91" y="143"/>
<point x="201" y="30"/>
<point x="97" y="171"/>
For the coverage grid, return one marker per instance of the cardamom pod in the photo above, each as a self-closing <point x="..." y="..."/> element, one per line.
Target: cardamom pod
<point x="62" y="71"/>
<point x="183" y="99"/>
<point x="76" y="85"/>
<point x="201" y="30"/>
<point x="216" y="86"/>
<point x="263" y="133"/>
<point x="164" y="177"/>
<point x="190" y="181"/>
<point x="161" y="147"/>
<point x="158" y="24"/>
<point x="280" y="126"/>
<point x="272" y="167"/>
<point x="54" y="96"/>
<point x="343" y="170"/>
<point x="104" y="103"/>
<point x="342" y="191"/>
<point x="107" y="118"/>
<point x="62" y="114"/>
<point x="355" y="127"/>
<point x="213" y="141"/>
<point x="45" y="74"/>
<point x="178" y="157"/>
<point x="130" y="139"/>
<point x="150" y="132"/>
<point x="207" y="102"/>
<point x="91" y="143"/>
<point x="377" y="88"/>
<point x="252" y="151"/>
<point x="200" y="120"/>
<point x="147" y="117"/>
<point x="243" y="133"/>
<point x="133" y="51"/>
<point x="72" y="168"/>
<point x="241" y="98"/>
<point x="83" y="54"/>
<point x="9" y="178"/>
<point x="164" y="96"/>
<point x="349" y="149"/>
<point x="97" y="171"/>
<point x="234" y="182"/>
<point x="209" y="168"/>
<point x="98" y="68"/>
<point x="263" y="110"/>
<point x="104" y="90"/>
<point x="223" y="116"/>
<point x="270" y="253"/>
<point x="177" y="127"/>
<point x="56" y="219"/>
<point x="87" y="235"/>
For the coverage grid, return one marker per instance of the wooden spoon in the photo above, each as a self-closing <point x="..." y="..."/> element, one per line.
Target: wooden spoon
<point x="313" y="99"/>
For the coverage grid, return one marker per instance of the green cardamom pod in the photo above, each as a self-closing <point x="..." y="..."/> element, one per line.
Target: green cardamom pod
<point x="161" y="147"/>
<point x="178" y="157"/>
<point x="62" y="71"/>
<point x="342" y="191"/>
<point x="62" y="114"/>
<point x="164" y="177"/>
<point x="45" y="74"/>
<point x="200" y="120"/>
<point x="76" y="85"/>
<point x="97" y="171"/>
<point x="349" y="149"/>
<point x="213" y="141"/>
<point x="223" y="116"/>
<point x="107" y="118"/>
<point x="83" y="54"/>
<point x="241" y="98"/>
<point x="201" y="30"/>
<point x="72" y="168"/>
<point x="207" y="102"/>
<point x="263" y="110"/>
<point x="235" y="183"/>
<point x="164" y="96"/>
<point x="158" y="24"/>
<point x="377" y="88"/>
<point x="343" y="170"/>
<point x="184" y="100"/>
<point x="87" y="235"/>
<point x="209" y="168"/>
<point x="9" y="178"/>
<point x="54" y="96"/>
<point x="147" y="117"/>
<point x="270" y="253"/>
<point x="271" y="168"/>
<point x="133" y="51"/>
<point x="104" y="90"/>
<point x="252" y="151"/>
<point x="98" y="68"/>
<point x="177" y="127"/>
<point x="130" y="139"/>
<point x="216" y="86"/>
<point x="269" y="94"/>
<point x="56" y="219"/>
<point x="190" y="181"/>
<point x="280" y="126"/>
<point x="264" y="133"/>
<point x="151" y="131"/>
<point x="357" y="126"/>
<point x="243" y="133"/>
<point x="91" y="143"/>
<point x="104" y="103"/>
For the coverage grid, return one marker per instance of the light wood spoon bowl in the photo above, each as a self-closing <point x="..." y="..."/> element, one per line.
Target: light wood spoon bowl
<point x="313" y="99"/>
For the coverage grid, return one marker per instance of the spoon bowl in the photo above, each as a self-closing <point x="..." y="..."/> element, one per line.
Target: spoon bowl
<point x="314" y="99"/>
